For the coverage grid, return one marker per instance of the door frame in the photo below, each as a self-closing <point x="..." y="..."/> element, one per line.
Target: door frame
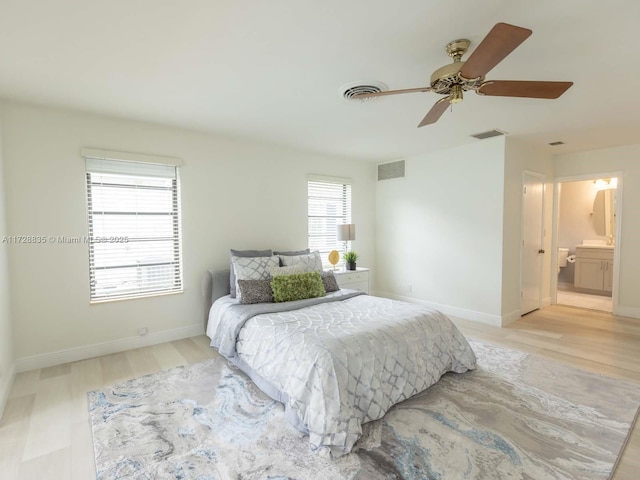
<point x="543" y="179"/>
<point x="556" y="219"/>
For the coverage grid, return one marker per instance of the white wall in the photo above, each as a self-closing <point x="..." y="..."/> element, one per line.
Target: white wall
<point x="625" y="159"/>
<point x="521" y="157"/>
<point x="439" y="230"/>
<point x="6" y="349"/>
<point x="235" y="194"/>
<point x="452" y="229"/>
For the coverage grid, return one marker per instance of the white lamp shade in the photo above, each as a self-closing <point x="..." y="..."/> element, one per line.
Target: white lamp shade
<point x="346" y="232"/>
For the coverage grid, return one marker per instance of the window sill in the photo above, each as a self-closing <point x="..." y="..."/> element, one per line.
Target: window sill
<point x="135" y="297"/>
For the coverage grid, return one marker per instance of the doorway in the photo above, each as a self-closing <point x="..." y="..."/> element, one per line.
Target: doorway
<point x="586" y="240"/>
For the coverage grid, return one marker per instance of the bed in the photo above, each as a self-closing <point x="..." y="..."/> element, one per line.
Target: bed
<point x="338" y="361"/>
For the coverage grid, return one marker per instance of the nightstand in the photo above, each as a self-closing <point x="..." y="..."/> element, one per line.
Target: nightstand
<point x="353" y="279"/>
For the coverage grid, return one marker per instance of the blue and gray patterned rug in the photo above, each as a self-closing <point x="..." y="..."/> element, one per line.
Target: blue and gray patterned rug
<point x="517" y="417"/>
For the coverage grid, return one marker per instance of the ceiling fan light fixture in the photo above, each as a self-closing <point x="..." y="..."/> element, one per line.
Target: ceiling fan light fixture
<point x="456" y="94"/>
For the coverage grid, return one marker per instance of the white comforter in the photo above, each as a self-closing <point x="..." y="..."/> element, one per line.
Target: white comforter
<point x="344" y="363"/>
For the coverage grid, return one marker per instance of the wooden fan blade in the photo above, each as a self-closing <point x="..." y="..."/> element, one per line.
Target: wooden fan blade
<point x="499" y="42"/>
<point x="393" y="92"/>
<point x="435" y="113"/>
<point x="515" y="88"/>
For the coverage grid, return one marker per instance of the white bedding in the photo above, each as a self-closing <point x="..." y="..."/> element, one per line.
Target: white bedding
<point x="215" y="312"/>
<point x="342" y="363"/>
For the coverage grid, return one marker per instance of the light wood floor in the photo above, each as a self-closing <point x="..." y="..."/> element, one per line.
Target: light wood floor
<point x="585" y="300"/>
<point x="45" y="433"/>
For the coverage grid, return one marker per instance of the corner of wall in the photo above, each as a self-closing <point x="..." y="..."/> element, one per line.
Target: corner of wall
<point x="510" y="318"/>
<point x="7" y="362"/>
<point x="5" y="387"/>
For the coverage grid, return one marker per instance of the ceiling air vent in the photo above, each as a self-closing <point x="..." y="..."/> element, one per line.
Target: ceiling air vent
<point x="555" y="144"/>
<point x="491" y="133"/>
<point x="387" y="171"/>
<point x="349" y="90"/>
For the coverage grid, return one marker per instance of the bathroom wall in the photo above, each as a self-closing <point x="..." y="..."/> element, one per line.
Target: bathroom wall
<point x="575" y="221"/>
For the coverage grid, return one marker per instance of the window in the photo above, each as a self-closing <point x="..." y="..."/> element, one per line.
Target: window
<point x="134" y="228"/>
<point x="329" y="206"/>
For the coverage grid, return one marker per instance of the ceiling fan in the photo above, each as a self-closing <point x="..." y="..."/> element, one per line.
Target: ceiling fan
<point x="454" y="78"/>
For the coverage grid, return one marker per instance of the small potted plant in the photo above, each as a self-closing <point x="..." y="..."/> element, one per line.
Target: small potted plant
<point x="350" y="260"/>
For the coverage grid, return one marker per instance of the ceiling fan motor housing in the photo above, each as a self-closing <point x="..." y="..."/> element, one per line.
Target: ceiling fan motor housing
<point x="444" y="78"/>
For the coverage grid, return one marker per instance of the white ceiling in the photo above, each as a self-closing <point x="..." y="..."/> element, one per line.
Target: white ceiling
<point x="272" y="70"/>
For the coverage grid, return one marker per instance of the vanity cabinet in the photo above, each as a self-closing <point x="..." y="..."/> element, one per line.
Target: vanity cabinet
<point x="594" y="269"/>
<point x="608" y="276"/>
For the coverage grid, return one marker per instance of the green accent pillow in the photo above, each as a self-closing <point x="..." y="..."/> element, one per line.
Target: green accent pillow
<point x="298" y="286"/>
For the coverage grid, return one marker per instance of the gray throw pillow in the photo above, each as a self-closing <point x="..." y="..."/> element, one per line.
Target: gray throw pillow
<point x="242" y="253"/>
<point x="255" y="291"/>
<point x="311" y="261"/>
<point x="330" y="282"/>
<point x="292" y="253"/>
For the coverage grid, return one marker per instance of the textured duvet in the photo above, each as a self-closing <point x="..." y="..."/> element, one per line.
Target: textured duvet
<point x="343" y="362"/>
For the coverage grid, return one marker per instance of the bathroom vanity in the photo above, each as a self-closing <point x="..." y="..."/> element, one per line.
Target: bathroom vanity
<point x="594" y="269"/>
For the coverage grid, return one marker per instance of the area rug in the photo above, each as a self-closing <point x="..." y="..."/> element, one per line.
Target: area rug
<point x="517" y="416"/>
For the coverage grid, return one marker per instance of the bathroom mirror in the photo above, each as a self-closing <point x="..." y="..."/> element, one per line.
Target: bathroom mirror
<point x="604" y="212"/>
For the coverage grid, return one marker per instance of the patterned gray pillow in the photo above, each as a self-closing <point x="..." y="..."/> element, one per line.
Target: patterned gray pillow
<point x="330" y="282"/>
<point x="253" y="268"/>
<point x="291" y="253"/>
<point x="311" y="261"/>
<point x="255" y="291"/>
<point x="242" y="253"/>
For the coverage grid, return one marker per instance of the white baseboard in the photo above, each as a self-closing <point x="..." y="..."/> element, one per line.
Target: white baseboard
<point x="5" y="387"/>
<point x="495" y="320"/>
<point x="546" y="302"/>
<point x="632" y="312"/>
<point x="89" y="351"/>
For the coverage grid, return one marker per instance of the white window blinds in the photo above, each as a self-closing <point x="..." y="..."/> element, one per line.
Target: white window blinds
<point x="134" y="228"/>
<point x="329" y="204"/>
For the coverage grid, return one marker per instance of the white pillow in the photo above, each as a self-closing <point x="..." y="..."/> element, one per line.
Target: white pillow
<point x="312" y="262"/>
<point x="253" y="268"/>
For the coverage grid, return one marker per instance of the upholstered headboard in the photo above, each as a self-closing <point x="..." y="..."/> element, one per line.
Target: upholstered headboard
<point x="215" y="284"/>
<point x="219" y="284"/>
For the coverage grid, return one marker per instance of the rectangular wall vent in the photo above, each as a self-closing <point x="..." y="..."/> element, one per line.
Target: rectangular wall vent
<point x="491" y="133"/>
<point x="390" y="170"/>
